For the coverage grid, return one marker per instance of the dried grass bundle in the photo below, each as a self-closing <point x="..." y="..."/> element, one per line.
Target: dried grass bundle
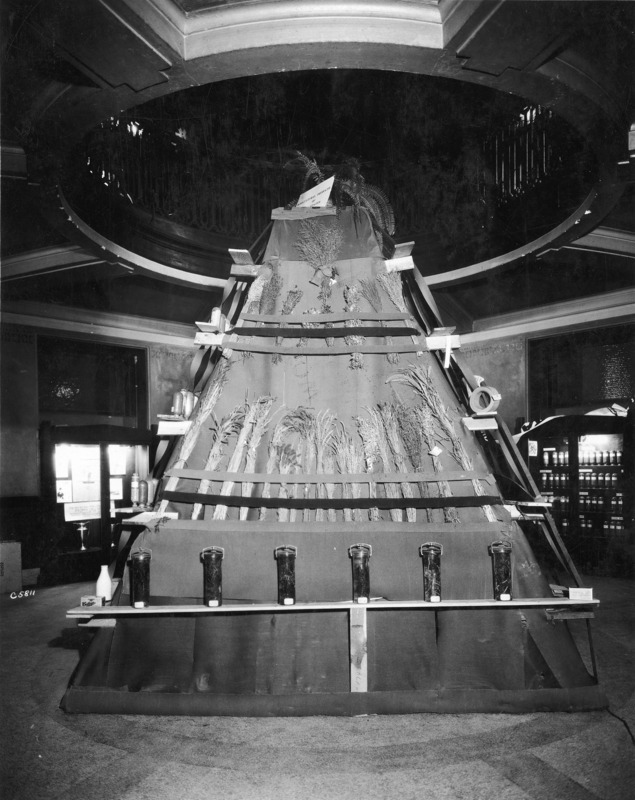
<point x="368" y="434"/>
<point x="252" y="413"/>
<point x="291" y="301"/>
<point x="429" y="433"/>
<point x="261" y="421"/>
<point x="383" y="446"/>
<point x="201" y="414"/>
<point x="301" y="422"/>
<point x="254" y="296"/>
<point x="273" y="458"/>
<point x="349" y="459"/>
<point x="271" y="290"/>
<point x="412" y="440"/>
<point x="421" y="381"/>
<point x="228" y="427"/>
<point x="351" y="300"/>
<point x="324" y="432"/>
<point x="389" y="417"/>
<point x="303" y="341"/>
<point x="319" y="242"/>
<point x="289" y="462"/>
<point x="391" y="284"/>
<point x="369" y="290"/>
<point x="324" y="295"/>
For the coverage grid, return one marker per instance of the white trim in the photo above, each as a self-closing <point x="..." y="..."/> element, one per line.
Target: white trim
<point x="271" y="23"/>
<point x="618" y="307"/>
<point x="442" y="279"/>
<point x="47" y="259"/>
<point x="606" y="240"/>
<point x="95" y="323"/>
<point x="146" y="264"/>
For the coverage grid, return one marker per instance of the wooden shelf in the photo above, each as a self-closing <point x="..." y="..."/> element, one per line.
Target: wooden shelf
<point x="251" y="608"/>
<point x="555" y="608"/>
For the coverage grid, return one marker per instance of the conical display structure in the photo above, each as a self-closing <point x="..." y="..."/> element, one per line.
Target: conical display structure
<point x="341" y="463"/>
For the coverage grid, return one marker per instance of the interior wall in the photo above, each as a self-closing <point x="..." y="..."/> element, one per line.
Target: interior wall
<point x="503" y="365"/>
<point x="19" y="462"/>
<point x="168" y="371"/>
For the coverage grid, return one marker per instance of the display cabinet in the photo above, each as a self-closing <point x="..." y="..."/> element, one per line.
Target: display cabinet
<point x="580" y="466"/>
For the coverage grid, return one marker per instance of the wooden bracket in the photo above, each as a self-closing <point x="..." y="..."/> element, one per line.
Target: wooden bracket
<point x="557" y="614"/>
<point x="443" y="339"/>
<point x="481" y="422"/>
<point x="209" y="339"/>
<point x="399" y="264"/>
<point x="175" y="427"/>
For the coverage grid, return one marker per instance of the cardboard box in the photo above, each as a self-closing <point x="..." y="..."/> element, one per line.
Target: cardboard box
<point x="10" y="567"/>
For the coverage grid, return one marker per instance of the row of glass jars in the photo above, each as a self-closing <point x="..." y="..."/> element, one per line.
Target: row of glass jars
<point x="590" y="456"/>
<point x="212" y="558"/>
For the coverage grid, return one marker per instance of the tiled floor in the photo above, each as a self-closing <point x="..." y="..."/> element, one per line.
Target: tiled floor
<point x="47" y="754"/>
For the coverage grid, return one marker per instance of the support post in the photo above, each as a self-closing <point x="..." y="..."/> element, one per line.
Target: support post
<point x="358" y="648"/>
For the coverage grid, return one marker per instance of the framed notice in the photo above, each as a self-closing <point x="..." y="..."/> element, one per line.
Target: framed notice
<point x="76" y="512"/>
<point x="64" y="491"/>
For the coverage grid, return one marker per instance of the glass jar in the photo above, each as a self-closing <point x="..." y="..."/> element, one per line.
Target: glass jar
<point x="502" y="569"/>
<point x="140" y="578"/>
<point x="212" y="558"/>
<point x="431" y="553"/>
<point x="285" y="556"/>
<point x="360" y="556"/>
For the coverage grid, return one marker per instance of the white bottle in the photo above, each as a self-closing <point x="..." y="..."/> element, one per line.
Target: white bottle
<point x="134" y="489"/>
<point x="104" y="584"/>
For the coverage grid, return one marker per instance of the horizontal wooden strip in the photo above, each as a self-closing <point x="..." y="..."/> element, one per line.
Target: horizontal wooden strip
<point x="317" y="502"/>
<point x="297" y="319"/>
<point x="314" y="477"/>
<point x="322" y="333"/>
<point x="80" y="612"/>
<point x="256" y="346"/>
<point x="427" y="530"/>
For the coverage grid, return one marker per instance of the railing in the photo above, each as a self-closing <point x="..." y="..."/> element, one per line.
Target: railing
<point x="522" y="154"/>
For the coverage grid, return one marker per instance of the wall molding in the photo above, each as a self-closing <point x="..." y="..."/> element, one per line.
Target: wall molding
<point x="597" y="310"/>
<point x="98" y="325"/>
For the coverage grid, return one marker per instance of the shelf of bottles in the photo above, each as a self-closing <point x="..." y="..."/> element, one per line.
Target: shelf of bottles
<point x="582" y="478"/>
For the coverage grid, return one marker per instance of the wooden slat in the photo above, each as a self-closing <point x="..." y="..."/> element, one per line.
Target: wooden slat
<point x="258" y="346"/>
<point x="356" y="477"/>
<point x="250" y="608"/>
<point x="335" y="316"/>
<point x="358" y="642"/>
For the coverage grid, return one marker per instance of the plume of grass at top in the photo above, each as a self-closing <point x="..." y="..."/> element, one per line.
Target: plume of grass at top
<point x="228" y="427"/>
<point x="202" y="412"/>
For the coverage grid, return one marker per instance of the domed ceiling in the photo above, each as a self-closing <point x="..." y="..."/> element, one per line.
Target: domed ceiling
<point x="490" y="126"/>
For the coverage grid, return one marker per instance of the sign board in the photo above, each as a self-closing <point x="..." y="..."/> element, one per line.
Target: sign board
<point x="318" y="196"/>
<point x="76" y="512"/>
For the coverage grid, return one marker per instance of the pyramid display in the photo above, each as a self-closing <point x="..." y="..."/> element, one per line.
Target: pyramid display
<point x="334" y="410"/>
